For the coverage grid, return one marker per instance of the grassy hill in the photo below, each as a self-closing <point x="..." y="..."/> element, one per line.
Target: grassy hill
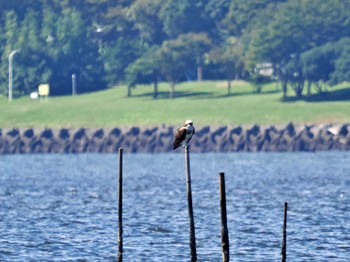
<point x="206" y="103"/>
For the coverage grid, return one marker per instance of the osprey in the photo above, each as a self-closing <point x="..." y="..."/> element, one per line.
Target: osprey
<point x="184" y="134"/>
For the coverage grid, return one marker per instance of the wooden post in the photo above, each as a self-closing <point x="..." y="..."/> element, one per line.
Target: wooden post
<point x="224" y="229"/>
<point x="120" y="207"/>
<point x="190" y="207"/>
<point x="284" y="241"/>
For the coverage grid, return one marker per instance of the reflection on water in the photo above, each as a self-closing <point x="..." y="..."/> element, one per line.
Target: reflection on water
<point x="64" y="207"/>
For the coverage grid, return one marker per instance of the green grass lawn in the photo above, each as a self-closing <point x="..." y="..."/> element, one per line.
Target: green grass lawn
<point x="206" y="103"/>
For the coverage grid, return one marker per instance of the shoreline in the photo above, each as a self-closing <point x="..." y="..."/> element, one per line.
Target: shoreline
<point x="158" y="139"/>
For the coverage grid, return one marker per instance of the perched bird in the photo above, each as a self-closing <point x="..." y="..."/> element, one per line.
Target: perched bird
<point x="183" y="135"/>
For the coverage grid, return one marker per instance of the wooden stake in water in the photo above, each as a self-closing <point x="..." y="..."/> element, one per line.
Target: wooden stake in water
<point x="284" y="241"/>
<point x="120" y="207"/>
<point x="224" y="229"/>
<point x="190" y="207"/>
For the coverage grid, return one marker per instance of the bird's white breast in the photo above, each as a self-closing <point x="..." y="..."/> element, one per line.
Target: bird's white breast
<point x="189" y="133"/>
<point x="190" y="129"/>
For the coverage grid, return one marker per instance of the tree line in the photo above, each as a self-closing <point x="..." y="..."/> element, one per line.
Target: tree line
<point x="306" y="43"/>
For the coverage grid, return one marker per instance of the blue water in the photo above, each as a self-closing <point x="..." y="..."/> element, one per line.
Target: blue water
<point x="65" y="207"/>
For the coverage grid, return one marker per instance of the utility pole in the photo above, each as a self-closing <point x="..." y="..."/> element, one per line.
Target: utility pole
<point x="10" y="72"/>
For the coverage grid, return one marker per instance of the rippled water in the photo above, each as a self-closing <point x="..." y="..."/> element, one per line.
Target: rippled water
<point x="64" y="207"/>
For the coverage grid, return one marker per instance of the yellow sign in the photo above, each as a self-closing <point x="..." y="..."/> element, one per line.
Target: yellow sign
<point x="44" y="90"/>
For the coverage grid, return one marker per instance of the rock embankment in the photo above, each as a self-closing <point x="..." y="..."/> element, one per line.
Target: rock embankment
<point x="158" y="139"/>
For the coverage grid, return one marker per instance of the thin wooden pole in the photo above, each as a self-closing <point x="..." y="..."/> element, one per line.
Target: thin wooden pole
<point x="284" y="241"/>
<point x="120" y="207"/>
<point x="190" y="207"/>
<point x="224" y="229"/>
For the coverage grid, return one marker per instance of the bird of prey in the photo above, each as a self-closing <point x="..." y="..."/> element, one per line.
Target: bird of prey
<point x="183" y="134"/>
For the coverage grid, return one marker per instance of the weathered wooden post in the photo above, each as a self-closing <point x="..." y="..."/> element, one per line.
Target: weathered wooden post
<point x="190" y="207"/>
<point x="120" y="207"/>
<point x="284" y="240"/>
<point x="224" y="229"/>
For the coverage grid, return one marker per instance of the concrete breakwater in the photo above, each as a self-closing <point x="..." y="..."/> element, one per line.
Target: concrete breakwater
<point x="159" y="139"/>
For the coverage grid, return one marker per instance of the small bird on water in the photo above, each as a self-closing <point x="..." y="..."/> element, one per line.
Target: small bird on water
<point x="183" y="134"/>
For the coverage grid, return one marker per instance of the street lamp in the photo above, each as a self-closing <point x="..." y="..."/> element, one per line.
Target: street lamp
<point x="74" y="85"/>
<point x="10" y="72"/>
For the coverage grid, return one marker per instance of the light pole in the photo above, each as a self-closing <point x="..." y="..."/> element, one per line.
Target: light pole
<point x="74" y="85"/>
<point x="10" y="72"/>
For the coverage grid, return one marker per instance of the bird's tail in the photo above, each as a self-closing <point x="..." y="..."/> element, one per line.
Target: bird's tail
<point x="176" y="146"/>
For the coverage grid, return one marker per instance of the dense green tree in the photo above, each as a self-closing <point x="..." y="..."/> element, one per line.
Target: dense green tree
<point x="229" y="57"/>
<point x="183" y="16"/>
<point x="144" y="70"/>
<point x="76" y="55"/>
<point x="216" y="11"/>
<point x="294" y="28"/>
<point x="107" y="42"/>
<point x="31" y="65"/>
<point x="121" y="43"/>
<point x="53" y="47"/>
<point x="145" y="17"/>
<point x="117" y="58"/>
<point x="243" y="15"/>
<point x="318" y="64"/>
<point x="341" y="71"/>
<point x="9" y="41"/>
<point x="178" y="55"/>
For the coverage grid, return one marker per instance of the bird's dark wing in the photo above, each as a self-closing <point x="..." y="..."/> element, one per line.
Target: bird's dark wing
<point x="180" y="136"/>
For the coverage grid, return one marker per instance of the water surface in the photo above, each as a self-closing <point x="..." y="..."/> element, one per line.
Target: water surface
<point x="65" y="207"/>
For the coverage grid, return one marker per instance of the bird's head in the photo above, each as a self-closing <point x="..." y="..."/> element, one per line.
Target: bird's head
<point x="189" y="122"/>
